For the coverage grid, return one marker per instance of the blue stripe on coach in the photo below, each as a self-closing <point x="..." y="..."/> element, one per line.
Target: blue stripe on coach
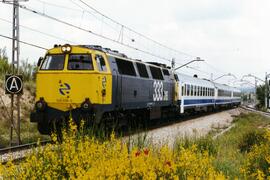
<point x="198" y="101"/>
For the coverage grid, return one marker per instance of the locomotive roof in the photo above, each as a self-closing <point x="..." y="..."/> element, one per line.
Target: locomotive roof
<point x="117" y="54"/>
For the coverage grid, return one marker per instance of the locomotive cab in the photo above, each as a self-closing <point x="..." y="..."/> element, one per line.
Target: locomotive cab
<point x="71" y="81"/>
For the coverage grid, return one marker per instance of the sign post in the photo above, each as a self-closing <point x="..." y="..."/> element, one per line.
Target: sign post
<point x="14" y="86"/>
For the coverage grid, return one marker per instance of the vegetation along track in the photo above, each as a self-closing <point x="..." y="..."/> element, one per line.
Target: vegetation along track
<point x="16" y="153"/>
<point x="267" y="114"/>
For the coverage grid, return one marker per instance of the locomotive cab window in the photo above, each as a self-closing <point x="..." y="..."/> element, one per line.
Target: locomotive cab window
<point x="80" y="62"/>
<point x="53" y="62"/>
<point x="101" y="63"/>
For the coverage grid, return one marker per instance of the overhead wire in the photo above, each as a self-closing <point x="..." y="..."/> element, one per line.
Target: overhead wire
<point x="146" y="37"/>
<point x="91" y="32"/>
<point x="102" y="36"/>
<point x="57" y="5"/>
<point x="214" y="68"/>
<point x="24" y="42"/>
<point x="121" y="25"/>
<point x="38" y="31"/>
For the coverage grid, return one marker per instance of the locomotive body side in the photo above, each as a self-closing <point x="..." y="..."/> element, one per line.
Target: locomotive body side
<point x="99" y="86"/>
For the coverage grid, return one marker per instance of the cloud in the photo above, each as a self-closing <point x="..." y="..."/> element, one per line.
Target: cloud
<point x="230" y="35"/>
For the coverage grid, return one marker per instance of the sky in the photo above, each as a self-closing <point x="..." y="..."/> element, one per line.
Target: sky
<point x="232" y="36"/>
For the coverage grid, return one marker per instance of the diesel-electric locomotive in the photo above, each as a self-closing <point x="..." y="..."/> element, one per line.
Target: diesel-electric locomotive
<point x="105" y="88"/>
<point x="102" y="87"/>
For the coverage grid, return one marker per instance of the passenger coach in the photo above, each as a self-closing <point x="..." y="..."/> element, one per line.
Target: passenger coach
<point x="195" y="94"/>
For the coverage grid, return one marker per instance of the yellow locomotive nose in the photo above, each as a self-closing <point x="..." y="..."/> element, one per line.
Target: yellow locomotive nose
<point x="70" y="78"/>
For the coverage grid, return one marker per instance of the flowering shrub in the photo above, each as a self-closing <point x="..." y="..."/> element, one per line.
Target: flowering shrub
<point x="258" y="159"/>
<point x="86" y="157"/>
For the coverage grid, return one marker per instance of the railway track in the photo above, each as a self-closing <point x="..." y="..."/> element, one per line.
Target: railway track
<point x="16" y="153"/>
<point x="267" y="114"/>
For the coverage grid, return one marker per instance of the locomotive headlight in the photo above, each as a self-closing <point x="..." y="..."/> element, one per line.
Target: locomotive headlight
<point x="86" y="105"/>
<point x="66" y="48"/>
<point x="41" y="105"/>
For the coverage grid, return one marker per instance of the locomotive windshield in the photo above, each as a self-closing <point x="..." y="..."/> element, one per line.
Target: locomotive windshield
<point x="80" y="62"/>
<point x="53" y="62"/>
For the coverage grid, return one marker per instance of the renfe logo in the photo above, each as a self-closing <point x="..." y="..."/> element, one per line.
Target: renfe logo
<point x="64" y="88"/>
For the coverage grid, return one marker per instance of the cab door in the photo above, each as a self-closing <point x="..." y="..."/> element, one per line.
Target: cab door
<point x="104" y="78"/>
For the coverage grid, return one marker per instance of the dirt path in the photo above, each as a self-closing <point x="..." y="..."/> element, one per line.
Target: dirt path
<point x="195" y="127"/>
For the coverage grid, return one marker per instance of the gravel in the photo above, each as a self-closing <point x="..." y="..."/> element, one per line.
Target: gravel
<point x="191" y="128"/>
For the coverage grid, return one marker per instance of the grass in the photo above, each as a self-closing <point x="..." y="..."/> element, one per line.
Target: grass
<point x="29" y="132"/>
<point x="242" y="152"/>
<point x="227" y="149"/>
<point x="229" y="157"/>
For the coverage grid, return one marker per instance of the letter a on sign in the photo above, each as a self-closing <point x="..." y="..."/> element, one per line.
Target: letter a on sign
<point x="13" y="84"/>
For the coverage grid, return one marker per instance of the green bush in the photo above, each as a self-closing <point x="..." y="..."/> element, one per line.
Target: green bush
<point x="26" y="69"/>
<point x="203" y="144"/>
<point x="257" y="164"/>
<point x="251" y="138"/>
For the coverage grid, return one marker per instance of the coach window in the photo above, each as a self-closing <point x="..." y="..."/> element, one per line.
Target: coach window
<point x="191" y="90"/>
<point x="80" y="62"/>
<point x="142" y="70"/>
<point x="183" y="90"/>
<point x="156" y="73"/>
<point x="125" y="67"/>
<point x="188" y="89"/>
<point x="101" y="63"/>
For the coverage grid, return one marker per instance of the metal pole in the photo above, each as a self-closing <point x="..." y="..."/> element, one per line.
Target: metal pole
<point x="266" y="91"/>
<point x="195" y="60"/>
<point x="255" y="101"/>
<point x="15" y="68"/>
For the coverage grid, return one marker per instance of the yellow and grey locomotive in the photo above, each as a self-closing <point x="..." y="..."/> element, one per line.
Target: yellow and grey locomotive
<point x="100" y="86"/>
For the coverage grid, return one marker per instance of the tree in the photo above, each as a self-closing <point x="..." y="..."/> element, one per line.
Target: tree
<point x="5" y="67"/>
<point x="260" y="94"/>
